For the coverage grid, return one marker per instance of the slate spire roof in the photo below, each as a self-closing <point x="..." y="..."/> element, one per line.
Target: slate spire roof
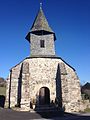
<point x="41" y="23"/>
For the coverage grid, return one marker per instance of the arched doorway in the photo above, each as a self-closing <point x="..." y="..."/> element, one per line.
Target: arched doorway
<point x="44" y="96"/>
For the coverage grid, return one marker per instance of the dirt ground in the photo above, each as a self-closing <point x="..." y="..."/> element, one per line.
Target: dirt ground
<point x="8" y="114"/>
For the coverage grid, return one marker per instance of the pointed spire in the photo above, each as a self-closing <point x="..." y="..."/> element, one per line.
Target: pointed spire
<point x="40" y="22"/>
<point x="40" y="25"/>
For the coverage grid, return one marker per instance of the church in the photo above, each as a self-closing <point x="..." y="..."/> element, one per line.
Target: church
<point x="43" y="79"/>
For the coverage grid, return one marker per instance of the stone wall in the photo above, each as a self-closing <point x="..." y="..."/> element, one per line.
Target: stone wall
<point x="7" y="91"/>
<point x="25" y="89"/>
<point x="85" y="104"/>
<point x="53" y="73"/>
<point x="36" y="50"/>
<point x="12" y="86"/>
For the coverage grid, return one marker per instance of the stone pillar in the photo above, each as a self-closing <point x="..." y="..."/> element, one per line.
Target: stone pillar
<point x="64" y="85"/>
<point x="7" y="91"/>
<point x="13" y="88"/>
<point x="25" y="99"/>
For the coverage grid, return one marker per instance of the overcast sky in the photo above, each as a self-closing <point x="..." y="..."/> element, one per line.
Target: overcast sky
<point x="69" y="19"/>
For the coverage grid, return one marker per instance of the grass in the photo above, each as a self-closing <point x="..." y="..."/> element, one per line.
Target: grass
<point x="87" y="110"/>
<point x="2" y="91"/>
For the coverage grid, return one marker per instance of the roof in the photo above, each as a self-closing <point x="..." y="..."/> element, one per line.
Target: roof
<point x="41" y="23"/>
<point x="46" y="58"/>
<point x="40" y="26"/>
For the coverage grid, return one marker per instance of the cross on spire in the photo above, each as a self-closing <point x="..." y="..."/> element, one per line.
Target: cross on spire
<point x="40" y="5"/>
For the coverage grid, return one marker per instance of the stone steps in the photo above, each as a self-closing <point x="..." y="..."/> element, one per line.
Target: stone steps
<point x="47" y="108"/>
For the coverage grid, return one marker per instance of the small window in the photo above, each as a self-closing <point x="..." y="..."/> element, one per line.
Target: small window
<point x="42" y="43"/>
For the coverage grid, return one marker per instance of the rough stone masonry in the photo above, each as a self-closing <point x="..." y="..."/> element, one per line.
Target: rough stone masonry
<point x="43" y="78"/>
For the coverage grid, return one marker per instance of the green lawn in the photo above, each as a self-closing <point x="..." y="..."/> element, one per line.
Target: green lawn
<point x="2" y="91"/>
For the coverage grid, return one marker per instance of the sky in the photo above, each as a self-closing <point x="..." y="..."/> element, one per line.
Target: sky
<point x="69" y="19"/>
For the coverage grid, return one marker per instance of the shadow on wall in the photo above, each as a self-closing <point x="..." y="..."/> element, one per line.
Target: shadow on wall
<point x="58" y="87"/>
<point x="2" y="101"/>
<point x="19" y="88"/>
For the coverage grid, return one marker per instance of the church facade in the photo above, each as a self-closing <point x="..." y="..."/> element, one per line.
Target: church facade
<point x="43" y="78"/>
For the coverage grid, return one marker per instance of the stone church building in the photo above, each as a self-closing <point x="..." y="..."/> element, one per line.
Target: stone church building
<point x="43" y="79"/>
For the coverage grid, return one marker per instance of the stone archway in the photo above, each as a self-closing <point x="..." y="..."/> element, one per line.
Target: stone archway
<point x="44" y="96"/>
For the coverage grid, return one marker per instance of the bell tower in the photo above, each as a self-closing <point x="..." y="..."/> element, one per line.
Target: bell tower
<point x="41" y="37"/>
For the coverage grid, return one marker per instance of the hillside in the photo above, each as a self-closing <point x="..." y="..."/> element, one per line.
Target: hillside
<point x="2" y="82"/>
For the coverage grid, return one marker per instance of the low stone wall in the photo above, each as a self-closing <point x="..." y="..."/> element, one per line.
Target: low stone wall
<point x="86" y="104"/>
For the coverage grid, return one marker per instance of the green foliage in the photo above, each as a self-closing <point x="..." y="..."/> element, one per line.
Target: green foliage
<point x="3" y="91"/>
<point x="87" y="110"/>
